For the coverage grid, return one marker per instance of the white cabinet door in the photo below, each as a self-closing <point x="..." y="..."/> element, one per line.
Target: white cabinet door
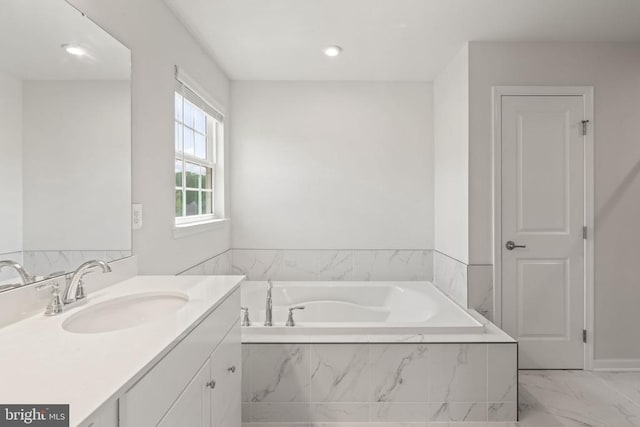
<point x="193" y="407"/>
<point x="226" y="371"/>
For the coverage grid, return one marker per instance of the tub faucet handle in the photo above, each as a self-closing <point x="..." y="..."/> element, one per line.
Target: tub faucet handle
<point x="245" y="317"/>
<point x="290" y="321"/>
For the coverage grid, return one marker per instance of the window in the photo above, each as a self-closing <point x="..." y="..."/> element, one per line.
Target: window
<point x="198" y="130"/>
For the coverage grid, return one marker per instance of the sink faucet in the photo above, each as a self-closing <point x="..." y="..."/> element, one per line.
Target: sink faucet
<point x="269" y="311"/>
<point x="26" y="278"/>
<point x="75" y="290"/>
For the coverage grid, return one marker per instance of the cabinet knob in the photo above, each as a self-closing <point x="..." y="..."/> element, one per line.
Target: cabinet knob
<point x="211" y="384"/>
<point x="232" y="369"/>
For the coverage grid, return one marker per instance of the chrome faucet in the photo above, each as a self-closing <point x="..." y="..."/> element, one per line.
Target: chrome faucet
<point x="75" y="289"/>
<point x="290" y="322"/>
<point x="26" y="278"/>
<point x="269" y="311"/>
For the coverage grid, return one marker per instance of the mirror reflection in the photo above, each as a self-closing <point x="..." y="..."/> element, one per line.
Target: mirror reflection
<point x="65" y="142"/>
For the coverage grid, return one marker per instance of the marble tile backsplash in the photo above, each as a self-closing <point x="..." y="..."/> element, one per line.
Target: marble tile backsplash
<point x="44" y="263"/>
<point x="218" y="265"/>
<point x="394" y="383"/>
<point x="9" y="273"/>
<point x="330" y="265"/>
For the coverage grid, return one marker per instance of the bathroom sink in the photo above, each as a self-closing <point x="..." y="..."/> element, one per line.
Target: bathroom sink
<point x="124" y="312"/>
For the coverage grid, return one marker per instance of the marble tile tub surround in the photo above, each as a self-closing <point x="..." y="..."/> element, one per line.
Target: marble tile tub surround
<point x="480" y="289"/>
<point x="379" y="383"/>
<point x="450" y="276"/>
<point x="284" y="264"/>
<point x="551" y="399"/>
<point x="18" y="304"/>
<point x="470" y="286"/>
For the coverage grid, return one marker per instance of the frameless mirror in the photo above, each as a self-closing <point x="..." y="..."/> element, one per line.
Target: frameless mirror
<point x="65" y="141"/>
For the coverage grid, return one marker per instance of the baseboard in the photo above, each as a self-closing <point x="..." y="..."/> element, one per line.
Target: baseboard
<point x="616" y="365"/>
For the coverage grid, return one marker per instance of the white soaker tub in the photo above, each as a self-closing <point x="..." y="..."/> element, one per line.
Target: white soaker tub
<point x="367" y="308"/>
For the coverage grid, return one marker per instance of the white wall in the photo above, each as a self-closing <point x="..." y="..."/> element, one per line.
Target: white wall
<point x="614" y="71"/>
<point x="76" y="165"/>
<point x="332" y="165"/>
<point x="158" y="42"/>
<point x="10" y="164"/>
<point x="451" y="154"/>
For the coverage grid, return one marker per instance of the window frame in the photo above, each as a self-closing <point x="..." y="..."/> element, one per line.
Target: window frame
<point x="214" y="137"/>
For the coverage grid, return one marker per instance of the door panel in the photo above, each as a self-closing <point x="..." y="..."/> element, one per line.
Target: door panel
<point x="542" y="283"/>
<point x="543" y="209"/>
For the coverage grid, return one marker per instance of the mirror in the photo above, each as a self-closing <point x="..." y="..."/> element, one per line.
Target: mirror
<point x="65" y="141"/>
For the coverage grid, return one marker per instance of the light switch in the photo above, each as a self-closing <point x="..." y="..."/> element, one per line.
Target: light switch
<point x="136" y="216"/>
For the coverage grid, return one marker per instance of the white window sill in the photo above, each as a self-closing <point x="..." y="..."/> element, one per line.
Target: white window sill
<point x="185" y="230"/>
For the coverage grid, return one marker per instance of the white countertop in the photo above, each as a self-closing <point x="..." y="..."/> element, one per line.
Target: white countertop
<point x="41" y="363"/>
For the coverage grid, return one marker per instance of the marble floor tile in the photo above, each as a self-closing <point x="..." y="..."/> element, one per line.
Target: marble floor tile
<point x="626" y="383"/>
<point x="574" y="398"/>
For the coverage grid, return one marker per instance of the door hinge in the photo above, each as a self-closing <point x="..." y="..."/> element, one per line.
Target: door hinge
<point x="584" y="232"/>
<point x="584" y="127"/>
<point x="584" y="336"/>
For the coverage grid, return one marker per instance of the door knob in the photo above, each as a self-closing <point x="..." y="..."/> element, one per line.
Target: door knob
<point x="211" y="384"/>
<point x="511" y="245"/>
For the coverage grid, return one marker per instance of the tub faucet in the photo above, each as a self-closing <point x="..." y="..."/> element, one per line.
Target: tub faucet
<point x="26" y="278"/>
<point x="74" y="290"/>
<point x="269" y="309"/>
<point x="290" y="322"/>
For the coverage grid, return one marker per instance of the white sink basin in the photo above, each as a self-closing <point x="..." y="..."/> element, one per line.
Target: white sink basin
<point x="124" y="312"/>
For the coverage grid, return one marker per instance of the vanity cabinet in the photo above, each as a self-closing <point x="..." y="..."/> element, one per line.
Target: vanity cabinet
<point x="226" y="367"/>
<point x="198" y="383"/>
<point x="212" y="397"/>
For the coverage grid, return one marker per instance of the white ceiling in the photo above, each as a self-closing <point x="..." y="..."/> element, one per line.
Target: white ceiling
<point x="31" y="32"/>
<point x="403" y="40"/>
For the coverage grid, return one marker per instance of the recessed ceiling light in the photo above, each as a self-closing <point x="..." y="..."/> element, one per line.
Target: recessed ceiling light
<point x="332" y="50"/>
<point x="74" y="50"/>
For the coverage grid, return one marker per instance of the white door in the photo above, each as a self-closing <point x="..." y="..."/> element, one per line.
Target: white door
<point x="543" y="209"/>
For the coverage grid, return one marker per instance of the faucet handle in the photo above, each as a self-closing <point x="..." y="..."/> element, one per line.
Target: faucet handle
<point x="290" y="321"/>
<point x="56" y="305"/>
<point x="245" y="317"/>
<point x="80" y="290"/>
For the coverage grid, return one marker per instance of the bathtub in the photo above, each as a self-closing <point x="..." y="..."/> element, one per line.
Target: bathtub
<point x="356" y="308"/>
<point x="364" y="353"/>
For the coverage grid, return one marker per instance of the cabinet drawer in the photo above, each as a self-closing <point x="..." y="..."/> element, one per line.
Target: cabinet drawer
<point x="149" y="399"/>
